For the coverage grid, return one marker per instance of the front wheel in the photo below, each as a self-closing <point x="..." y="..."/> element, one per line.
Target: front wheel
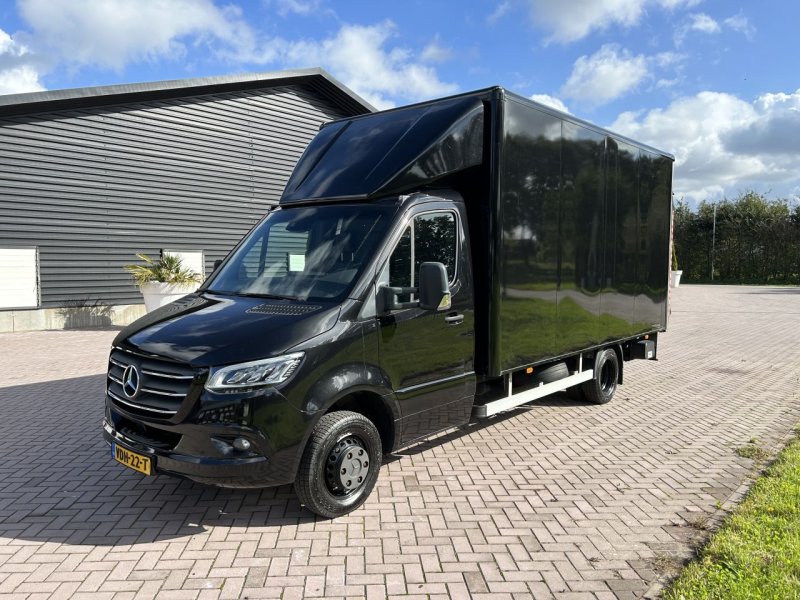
<point x="600" y="389"/>
<point x="340" y="464"/>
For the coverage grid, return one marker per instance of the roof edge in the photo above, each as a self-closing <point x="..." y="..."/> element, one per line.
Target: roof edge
<point x="116" y="94"/>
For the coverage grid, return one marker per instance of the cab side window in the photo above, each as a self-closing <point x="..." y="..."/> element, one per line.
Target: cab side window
<point x="435" y="241"/>
<point x="431" y="237"/>
<point x="400" y="262"/>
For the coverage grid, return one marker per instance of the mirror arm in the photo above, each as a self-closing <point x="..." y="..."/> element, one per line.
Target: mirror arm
<point x="390" y="297"/>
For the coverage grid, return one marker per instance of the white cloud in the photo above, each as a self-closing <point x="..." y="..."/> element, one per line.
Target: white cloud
<point x="723" y="144"/>
<point x="19" y="71"/>
<point x="703" y="23"/>
<point x="741" y="24"/>
<point x="699" y="22"/>
<point x="574" y="20"/>
<point x="499" y="12"/>
<point x="774" y="132"/>
<point x="605" y="75"/>
<point x="362" y="57"/>
<point x="550" y="101"/>
<point x="298" y="7"/>
<point x="435" y="52"/>
<point x="112" y="33"/>
<point x="19" y="80"/>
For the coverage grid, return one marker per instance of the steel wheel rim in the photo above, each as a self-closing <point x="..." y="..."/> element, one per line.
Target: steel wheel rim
<point x="347" y="466"/>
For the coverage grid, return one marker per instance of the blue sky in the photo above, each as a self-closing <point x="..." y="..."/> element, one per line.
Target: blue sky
<point x="711" y="81"/>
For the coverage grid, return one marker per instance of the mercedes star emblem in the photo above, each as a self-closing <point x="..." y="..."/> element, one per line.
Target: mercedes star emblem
<point x="130" y="381"/>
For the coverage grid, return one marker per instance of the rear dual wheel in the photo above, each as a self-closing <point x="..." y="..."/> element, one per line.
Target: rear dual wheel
<point x="340" y="464"/>
<point x="600" y="389"/>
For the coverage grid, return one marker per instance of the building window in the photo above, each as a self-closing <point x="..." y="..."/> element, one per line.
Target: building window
<point x="19" y="278"/>
<point x="190" y="259"/>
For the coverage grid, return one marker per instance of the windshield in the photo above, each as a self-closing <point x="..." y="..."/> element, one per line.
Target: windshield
<point x="310" y="253"/>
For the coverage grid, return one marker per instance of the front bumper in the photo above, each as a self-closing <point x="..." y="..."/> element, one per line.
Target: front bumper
<point x="191" y="432"/>
<point x="243" y="471"/>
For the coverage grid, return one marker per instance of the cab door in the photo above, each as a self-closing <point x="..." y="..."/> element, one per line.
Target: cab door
<point x="428" y="355"/>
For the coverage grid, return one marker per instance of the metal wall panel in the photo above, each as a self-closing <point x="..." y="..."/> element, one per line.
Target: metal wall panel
<point x="91" y="187"/>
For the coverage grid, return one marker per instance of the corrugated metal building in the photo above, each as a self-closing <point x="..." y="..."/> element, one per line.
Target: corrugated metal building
<point x="92" y="176"/>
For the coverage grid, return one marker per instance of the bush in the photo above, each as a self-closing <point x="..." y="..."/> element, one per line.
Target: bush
<point x="756" y="241"/>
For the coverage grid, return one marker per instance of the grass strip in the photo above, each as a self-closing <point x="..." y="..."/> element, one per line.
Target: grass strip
<point x="756" y="552"/>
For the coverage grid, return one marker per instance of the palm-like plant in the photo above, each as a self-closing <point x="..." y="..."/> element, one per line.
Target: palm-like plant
<point x="168" y="269"/>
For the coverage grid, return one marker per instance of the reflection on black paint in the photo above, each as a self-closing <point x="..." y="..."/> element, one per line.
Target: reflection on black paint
<point x="585" y="221"/>
<point x="389" y="152"/>
<point x="582" y="231"/>
<point x="530" y="179"/>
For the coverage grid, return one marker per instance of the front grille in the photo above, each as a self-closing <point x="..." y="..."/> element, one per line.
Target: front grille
<point x="149" y="436"/>
<point x="162" y="384"/>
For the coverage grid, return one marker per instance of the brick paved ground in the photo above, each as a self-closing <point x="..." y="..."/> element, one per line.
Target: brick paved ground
<point x="552" y="500"/>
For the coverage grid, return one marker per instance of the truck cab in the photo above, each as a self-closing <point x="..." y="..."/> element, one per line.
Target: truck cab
<point x="300" y="322"/>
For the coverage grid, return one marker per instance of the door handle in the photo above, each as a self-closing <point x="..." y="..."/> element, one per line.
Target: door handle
<point x="454" y="319"/>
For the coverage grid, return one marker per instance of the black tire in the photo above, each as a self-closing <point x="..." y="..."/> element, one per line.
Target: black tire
<point x="551" y="373"/>
<point x="600" y="389"/>
<point x="340" y="464"/>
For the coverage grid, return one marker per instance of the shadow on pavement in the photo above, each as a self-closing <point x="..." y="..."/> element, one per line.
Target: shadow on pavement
<point x="559" y="399"/>
<point x="59" y="483"/>
<point x="778" y="290"/>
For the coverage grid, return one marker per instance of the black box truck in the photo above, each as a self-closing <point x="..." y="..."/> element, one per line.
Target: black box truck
<point x="426" y="265"/>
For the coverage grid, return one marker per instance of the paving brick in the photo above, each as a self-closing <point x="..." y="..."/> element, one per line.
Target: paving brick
<point x="551" y="500"/>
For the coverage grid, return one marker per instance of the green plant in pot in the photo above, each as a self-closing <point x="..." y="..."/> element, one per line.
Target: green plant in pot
<point x="164" y="280"/>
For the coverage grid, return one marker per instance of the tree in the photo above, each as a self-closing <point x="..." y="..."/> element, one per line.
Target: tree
<point x="757" y="240"/>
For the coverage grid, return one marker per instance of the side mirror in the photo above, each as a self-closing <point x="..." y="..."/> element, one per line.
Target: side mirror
<point x="217" y="263"/>
<point x="434" y="292"/>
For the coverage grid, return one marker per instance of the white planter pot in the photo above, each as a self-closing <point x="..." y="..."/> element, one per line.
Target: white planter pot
<point x="157" y="295"/>
<point x="675" y="278"/>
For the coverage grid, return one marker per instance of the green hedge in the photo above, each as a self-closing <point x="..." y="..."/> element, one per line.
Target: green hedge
<point x="757" y="241"/>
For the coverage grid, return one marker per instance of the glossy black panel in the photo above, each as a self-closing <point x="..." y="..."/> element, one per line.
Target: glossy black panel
<point x="389" y="152"/>
<point x="582" y="229"/>
<point x="530" y="182"/>
<point x="315" y="151"/>
<point x="653" y="242"/>
<point x="213" y="329"/>
<point x="616" y="299"/>
<point x="459" y="148"/>
<point x="626" y="238"/>
<point x="584" y="237"/>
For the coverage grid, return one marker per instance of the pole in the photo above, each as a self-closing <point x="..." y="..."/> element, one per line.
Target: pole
<point x="713" y="241"/>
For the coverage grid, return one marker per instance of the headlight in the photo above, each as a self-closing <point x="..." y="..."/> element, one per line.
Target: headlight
<point x="259" y="373"/>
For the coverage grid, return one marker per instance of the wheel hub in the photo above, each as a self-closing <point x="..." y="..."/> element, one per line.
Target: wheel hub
<point x="347" y="466"/>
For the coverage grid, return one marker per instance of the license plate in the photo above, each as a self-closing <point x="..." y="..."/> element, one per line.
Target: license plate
<point x="132" y="460"/>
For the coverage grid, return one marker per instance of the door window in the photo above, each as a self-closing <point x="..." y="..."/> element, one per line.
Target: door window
<point x="435" y="241"/>
<point x="430" y="238"/>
